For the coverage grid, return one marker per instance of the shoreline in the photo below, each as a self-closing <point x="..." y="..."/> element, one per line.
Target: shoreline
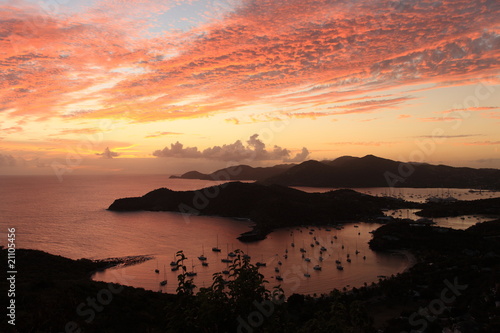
<point x="411" y="259"/>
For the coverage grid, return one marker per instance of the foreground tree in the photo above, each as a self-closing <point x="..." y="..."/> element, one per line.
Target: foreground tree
<point x="227" y="304"/>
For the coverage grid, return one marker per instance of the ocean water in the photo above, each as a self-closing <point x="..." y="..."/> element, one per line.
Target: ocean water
<point x="69" y="218"/>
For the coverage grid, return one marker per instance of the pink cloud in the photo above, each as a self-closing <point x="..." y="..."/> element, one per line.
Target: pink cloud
<point x="304" y="51"/>
<point x="437" y="119"/>
<point x="404" y="116"/>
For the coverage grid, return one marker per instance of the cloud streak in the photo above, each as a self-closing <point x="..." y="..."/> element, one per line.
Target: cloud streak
<point x="160" y="134"/>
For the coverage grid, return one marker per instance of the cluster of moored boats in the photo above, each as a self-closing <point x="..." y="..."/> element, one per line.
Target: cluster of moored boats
<point x="315" y="242"/>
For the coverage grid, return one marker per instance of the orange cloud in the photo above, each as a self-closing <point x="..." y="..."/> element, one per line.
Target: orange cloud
<point x="492" y="115"/>
<point x="158" y="134"/>
<point x="404" y="116"/>
<point x="481" y="108"/>
<point x="479" y="143"/>
<point x="368" y="120"/>
<point x="364" y="143"/>
<point x="70" y="131"/>
<point x="107" y="61"/>
<point x="13" y="129"/>
<point x="435" y="119"/>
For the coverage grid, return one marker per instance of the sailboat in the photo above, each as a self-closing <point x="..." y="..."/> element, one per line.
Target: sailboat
<point x="231" y="254"/>
<point x="306" y="274"/>
<point x="164" y="282"/>
<point x="338" y="262"/>
<point x="202" y="257"/>
<point x="216" y="248"/>
<point x="192" y="273"/>
<point x="226" y="271"/>
<point x="302" y="248"/>
<point x="173" y="263"/>
<point x="246" y="255"/>
<point x="261" y="263"/>
<point x="157" y="271"/>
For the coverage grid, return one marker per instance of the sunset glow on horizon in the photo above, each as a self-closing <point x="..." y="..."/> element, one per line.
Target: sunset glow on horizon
<point x="133" y="86"/>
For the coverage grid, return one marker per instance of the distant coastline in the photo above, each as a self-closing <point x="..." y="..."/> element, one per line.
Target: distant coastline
<point x="352" y="172"/>
<point x="275" y="206"/>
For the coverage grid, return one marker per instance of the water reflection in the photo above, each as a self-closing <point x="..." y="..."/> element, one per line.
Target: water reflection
<point x="329" y="245"/>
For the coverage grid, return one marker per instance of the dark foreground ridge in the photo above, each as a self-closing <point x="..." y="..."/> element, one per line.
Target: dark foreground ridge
<point x="452" y="288"/>
<point x="367" y="171"/>
<point x="269" y="206"/>
<point x="56" y="294"/>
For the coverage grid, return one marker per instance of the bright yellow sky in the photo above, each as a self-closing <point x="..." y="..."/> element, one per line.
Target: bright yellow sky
<point x="170" y="86"/>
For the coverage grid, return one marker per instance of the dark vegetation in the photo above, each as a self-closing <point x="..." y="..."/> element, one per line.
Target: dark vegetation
<point x="51" y="288"/>
<point x="458" y="208"/>
<point x="367" y="171"/>
<point x="468" y="258"/>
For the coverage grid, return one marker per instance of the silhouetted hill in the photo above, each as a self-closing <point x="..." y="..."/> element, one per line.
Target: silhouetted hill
<point x="367" y="171"/>
<point x="425" y="240"/>
<point x="239" y="172"/>
<point x="269" y="206"/>
<point x="461" y="207"/>
<point x="372" y="171"/>
<point x="50" y="289"/>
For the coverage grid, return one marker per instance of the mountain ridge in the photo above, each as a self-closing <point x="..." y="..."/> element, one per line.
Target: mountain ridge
<point x="366" y="171"/>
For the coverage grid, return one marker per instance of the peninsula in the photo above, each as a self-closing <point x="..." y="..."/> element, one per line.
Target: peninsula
<point x="269" y="206"/>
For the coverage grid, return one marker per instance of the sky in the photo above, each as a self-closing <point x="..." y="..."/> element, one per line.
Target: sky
<point x="146" y="86"/>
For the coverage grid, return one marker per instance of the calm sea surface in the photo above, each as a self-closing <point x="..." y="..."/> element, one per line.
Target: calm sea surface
<point x="69" y="218"/>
